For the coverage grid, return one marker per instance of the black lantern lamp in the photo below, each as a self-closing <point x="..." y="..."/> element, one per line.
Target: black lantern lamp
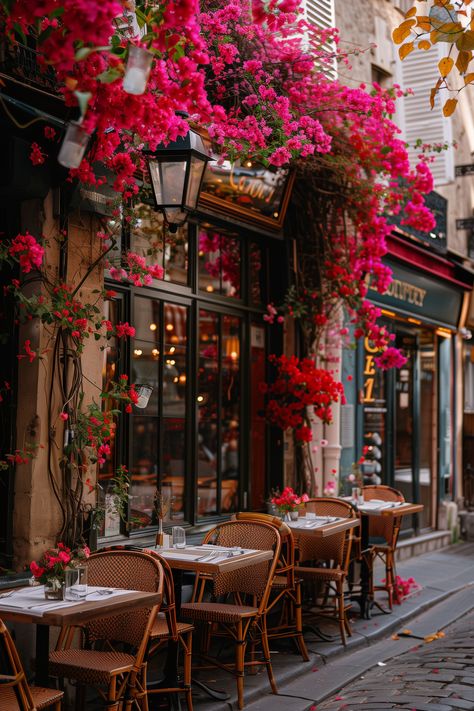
<point x="176" y="173"/>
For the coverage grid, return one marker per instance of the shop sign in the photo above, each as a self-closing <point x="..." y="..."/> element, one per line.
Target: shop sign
<point x="462" y="170"/>
<point x="420" y="295"/>
<point x="247" y="190"/>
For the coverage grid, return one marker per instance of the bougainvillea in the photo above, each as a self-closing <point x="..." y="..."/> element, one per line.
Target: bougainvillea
<point x="298" y="387"/>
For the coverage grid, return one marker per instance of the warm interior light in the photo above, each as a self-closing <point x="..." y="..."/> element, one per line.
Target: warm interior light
<point x="169" y="327"/>
<point x="200" y="398"/>
<point x="155" y="352"/>
<point x="137" y="352"/>
<point x="153" y="326"/>
<point x="210" y="288"/>
<point x="172" y="349"/>
<point x="182" y="378"/>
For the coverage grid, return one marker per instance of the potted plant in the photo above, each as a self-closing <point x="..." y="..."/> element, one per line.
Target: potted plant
<point x="288" y="503"/>
<point x="51" y="568"/>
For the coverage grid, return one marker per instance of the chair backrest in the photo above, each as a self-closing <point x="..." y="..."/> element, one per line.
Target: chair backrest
<point x="168" y="606"/>
<point x="335" y="548"/>
<point x="383" y="526"/>
<point x="11" y="671"/>
<point x="254" y="580"/>
<point x="286" y="562"/>
<point x="128" y="570"/>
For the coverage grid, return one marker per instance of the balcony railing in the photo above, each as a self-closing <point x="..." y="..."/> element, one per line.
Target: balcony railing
<point x="21" y="64"/>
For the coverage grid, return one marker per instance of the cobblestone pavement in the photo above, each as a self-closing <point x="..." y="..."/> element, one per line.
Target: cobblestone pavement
<point x="435" y="676"/>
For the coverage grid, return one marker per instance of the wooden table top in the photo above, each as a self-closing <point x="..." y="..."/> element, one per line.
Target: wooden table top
<point x="402" y="510"/>
<point x="328" y="529"/>
<point x="83" y="611"/>
<point x="185" y="559"/>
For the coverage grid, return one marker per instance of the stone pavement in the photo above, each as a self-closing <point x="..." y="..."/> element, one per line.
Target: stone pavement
<point x="447" y="592"/>
<point x="435" y="676"/>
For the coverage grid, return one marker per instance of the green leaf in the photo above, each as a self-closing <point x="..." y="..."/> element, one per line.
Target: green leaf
<point x="83" y="98"/>
<point x="141" y="17"/>
<point x="19" y="32"/>
<point x="109" y="76"/>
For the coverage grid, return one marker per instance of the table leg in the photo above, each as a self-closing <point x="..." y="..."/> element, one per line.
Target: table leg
<point x="365" y="570"/>
<point x="42" y="655"/>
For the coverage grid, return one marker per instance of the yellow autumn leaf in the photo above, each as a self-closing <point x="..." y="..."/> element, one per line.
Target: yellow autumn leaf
<point x="462" y="61"/>
<point x="405" y="49"/>
<point x="448" y="32"/>
<point x="395" y="636"/>
<point x="410" y="12"/>
<point x="450" y="107"/>
<point x="445" y="65"/>
<point x="400" y="33"/>
<point x="465" y="41"/>
<point x="441" y="635"/>
<point x="469" y="78"/>
<point x="407" y="632"/>
<point x="434" y="91"/>
<point x="424" y="23"/>
<point x="424" y="44"/>
<point x="430" y="638"/>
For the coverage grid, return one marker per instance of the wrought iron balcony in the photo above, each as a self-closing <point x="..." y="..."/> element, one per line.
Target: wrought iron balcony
<point x="21" y="65"/>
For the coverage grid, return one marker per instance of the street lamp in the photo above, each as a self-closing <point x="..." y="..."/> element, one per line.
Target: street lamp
<point x="176" y="173"/>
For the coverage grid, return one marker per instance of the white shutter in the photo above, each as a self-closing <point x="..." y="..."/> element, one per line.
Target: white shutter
<point x="127" y="22"/>
<point x="418" y="71"/>
<point x="321" y="14"/>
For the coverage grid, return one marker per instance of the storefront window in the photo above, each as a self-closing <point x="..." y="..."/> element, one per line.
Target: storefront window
<point x="159" y="359"/>
<point x="219" y="413"/>
<point x="150" y="238"/>
<point x="219" y="263"/>
<point x="256" y="274"/>
<point x="375" y="419"/>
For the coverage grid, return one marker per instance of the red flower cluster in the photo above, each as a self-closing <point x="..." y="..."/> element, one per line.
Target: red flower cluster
<point x="54" y="562"/>
<point x="390" y="358"/>
<point x="26" y="250"/>
<point x="288" y="500"/>
<point x="298" y="386"/>
<point x="139" y="272"/>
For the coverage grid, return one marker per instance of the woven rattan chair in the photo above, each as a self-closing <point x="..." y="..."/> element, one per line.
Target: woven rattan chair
<point x="334" y="551"/>
<point x="166" y="628"/>
<point x="286" y="587"/>
<point x="15" y="693"/>
<point x="383" y="537"/>
<point x="240" y="597"/>
<point x="112" y="658"/>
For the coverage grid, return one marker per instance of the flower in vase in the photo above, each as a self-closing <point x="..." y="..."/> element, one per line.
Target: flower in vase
<point x="288" y="500"/>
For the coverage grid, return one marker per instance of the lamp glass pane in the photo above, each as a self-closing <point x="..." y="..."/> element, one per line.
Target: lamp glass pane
<point x="168" y="178"/>
<point x="175" y="215"/>
<point x="196" y="172"/>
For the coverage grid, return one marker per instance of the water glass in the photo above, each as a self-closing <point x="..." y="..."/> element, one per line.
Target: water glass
<point x="355" y="494"/>
<point x="310" y="515"/>
<point x="179" y="537"/>
<point x="75" y="585"/>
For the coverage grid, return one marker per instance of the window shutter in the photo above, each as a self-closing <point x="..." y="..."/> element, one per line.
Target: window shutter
<point x="321" y="14"/>
<point x="418" y="71"/>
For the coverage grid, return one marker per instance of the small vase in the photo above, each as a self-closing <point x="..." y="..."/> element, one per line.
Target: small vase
<point x="54" y="589"/>
<point x="294" y="515"/>
<point x="160" y="540"/>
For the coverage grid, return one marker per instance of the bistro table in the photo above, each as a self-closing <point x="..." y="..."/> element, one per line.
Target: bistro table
<point x="61" y="613"/>
<point x="208" y="559"/>
<point x="367" y="509"/>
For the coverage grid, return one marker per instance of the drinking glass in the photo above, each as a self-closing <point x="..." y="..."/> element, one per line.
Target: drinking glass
<point x="179" y="537"/>
<point x="75" y="584"/>
<point x="355" y="494"/>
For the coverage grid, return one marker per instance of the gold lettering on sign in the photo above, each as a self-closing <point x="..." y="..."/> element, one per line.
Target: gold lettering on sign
<point x="369" y="370"/>
<point x="404" y="291"/>
<point x="253" y="187"/>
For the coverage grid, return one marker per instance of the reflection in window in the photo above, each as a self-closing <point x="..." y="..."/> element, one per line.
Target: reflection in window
<point x="151" y="240"/>
<point x="219" y="413"/>
<point x="219" y="263"/>
<point x="110" y="373"/>
<point x="159" y="359"/>
<point x="257" y="295"/>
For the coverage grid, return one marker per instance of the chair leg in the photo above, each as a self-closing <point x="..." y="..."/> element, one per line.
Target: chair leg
<point x="299" y="623"/>
<point x="188" y="651"/>
<point x="239" y="664"/>
<point x="58" y="706"/>
<point x="341" y="611"/>
<point x="266" y="655"/>
<point x="389" y="578"/>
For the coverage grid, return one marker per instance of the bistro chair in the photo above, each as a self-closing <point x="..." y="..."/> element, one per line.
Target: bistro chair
<point x="286" y="587"/>
<point x="15" y="692"/>
<point x="166" y="628"/>
<point x="325" y="561"/>
<point x="239" y="602"/>
<point x="112" y="656"/>
<point x="383" y="538"/>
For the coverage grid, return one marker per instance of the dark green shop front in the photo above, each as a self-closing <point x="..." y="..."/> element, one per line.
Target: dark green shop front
<point x="405" y="417"/>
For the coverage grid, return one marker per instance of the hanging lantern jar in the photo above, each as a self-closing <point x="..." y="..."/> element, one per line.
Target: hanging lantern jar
<point x="74" y="145"/>
<point x="144" y="394"/>
<point x="137" y="70"/>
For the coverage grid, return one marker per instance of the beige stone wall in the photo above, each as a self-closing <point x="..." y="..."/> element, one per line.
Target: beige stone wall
<point x="37" y="515"/>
